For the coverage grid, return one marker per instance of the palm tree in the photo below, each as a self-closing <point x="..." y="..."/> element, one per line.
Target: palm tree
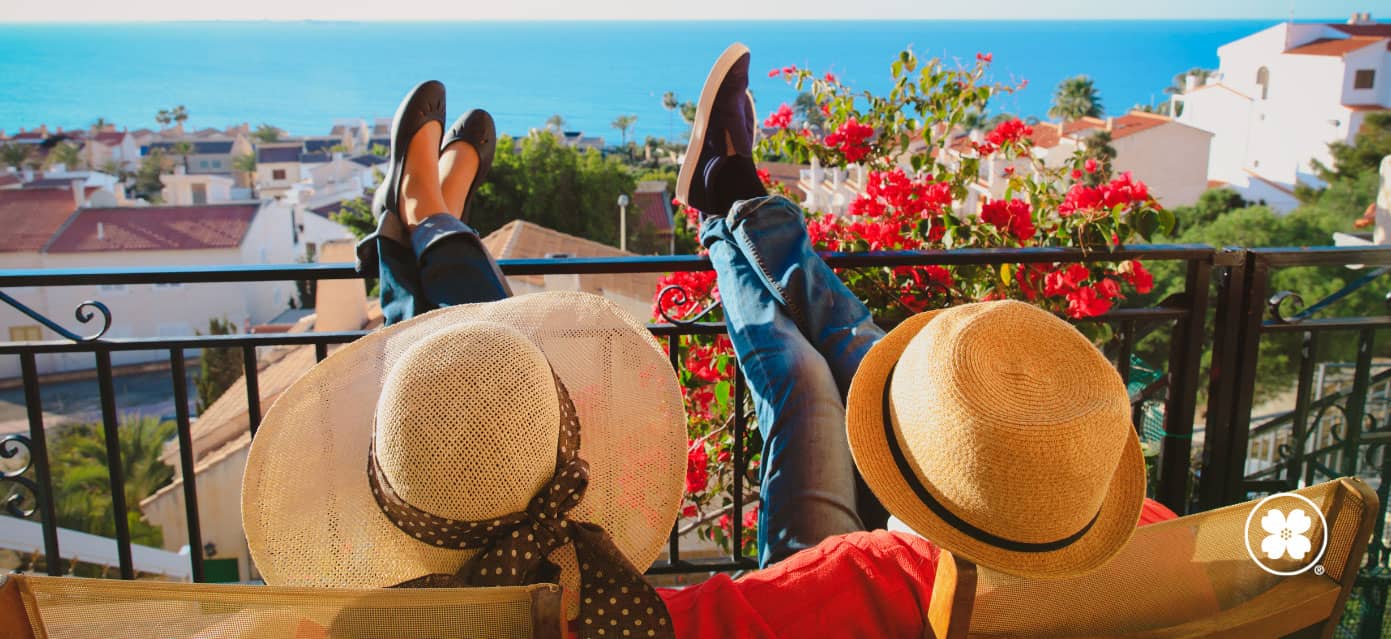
<point x="266" y="133"/>
<point x="164" y="118"/>
<point x="82" y="492"/>
<point x="1076" y="97"/>
<point x="688" y="112"/>
<point x="100" y="123"/>
<point x="556" y="123"/>
<point x="179" y="114"/>
<point x="670" y="103"/>
<point x="246" y="165"/>
<point x="623" y="123"/>
<point x="1180" y="82"/>
<point x="183" y="149"/>
<point x="15" y="155"/>
<point x="66" y="154"/>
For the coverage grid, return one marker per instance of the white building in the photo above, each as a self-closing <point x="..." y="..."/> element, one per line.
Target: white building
<point x="1281" y="95"/>
<point x="278" y="167"/>
<point x="182" y="188"/>
<point x="54" y="230"/>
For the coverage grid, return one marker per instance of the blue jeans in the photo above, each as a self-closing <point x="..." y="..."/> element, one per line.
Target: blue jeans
<point x="439" y="263"/>
<point x="799" y="334"/>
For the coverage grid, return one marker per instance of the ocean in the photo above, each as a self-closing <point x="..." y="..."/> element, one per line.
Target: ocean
<point x="301" y="76"/>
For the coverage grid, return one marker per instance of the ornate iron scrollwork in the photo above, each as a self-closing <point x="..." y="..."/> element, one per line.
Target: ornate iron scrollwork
<point x="1302" y="313"/>
<point x="23" y="499"/>
<point x="676" y="295"/>
<point x="1278" y="299"/>
<point x="85" y="312"/>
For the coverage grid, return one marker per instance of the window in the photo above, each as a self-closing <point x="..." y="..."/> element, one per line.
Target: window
<point x="30" y="333"/>
<point x="1263" y="81"/>
<point x="217" y="164"/>
<point x="202" y="164"/>
<point x="1364" y="78"/>
<point x="200" y="193"/>
<point x="277" y="174"/>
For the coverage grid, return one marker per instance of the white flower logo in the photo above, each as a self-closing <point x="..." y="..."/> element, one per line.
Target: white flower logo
<point x="1286" y="534"/>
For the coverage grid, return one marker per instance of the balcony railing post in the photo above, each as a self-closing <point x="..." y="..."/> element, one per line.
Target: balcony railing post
<point x="1357" y="401"/>
<point x="38" y="458"/>
<point x="188" y="473"/>
<point x="112" y="431"/>
<point x="1186" y="352"/>
<point x="1223" y="374"/>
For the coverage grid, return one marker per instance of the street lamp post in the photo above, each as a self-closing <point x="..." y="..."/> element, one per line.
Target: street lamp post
<point x="623" y="222"/>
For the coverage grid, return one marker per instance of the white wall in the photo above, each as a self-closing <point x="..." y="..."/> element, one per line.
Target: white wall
<point x="1170" y="158"/>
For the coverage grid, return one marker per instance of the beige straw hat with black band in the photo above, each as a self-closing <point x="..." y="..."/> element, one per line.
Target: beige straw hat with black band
<point x="999" y="432"/>
<point x="538" y="438"/>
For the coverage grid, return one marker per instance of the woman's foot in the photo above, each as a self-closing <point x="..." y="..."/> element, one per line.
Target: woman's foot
<point x="465" y="158"/>
<point x="421" y="196"/>
<point x="458" y="165"/>
<point x="719" y="169"/>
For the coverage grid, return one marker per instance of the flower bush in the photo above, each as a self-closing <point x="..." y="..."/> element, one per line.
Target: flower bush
<point x="923" y="189"/>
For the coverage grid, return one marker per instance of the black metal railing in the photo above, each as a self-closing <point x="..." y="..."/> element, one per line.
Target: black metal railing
<point x="1330" y="431"/>
<point x="1183" y="313"/>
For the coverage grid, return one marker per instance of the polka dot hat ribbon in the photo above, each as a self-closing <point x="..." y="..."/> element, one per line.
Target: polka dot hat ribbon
<point x="615" y="600"/>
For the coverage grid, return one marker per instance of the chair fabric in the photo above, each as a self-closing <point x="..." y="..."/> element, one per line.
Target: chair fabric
<point x="74" y="608"/>
<point x="1192" y="573"/>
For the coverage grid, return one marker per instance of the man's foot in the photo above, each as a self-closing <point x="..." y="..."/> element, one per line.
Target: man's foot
<point x="420" y="186"/>
<point x="465" y="159"/>
<point x="719" y="168"/>
<point x="458" y="164"/>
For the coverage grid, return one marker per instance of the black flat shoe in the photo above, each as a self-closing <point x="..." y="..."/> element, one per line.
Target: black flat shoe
<point x="476" y="128"/>
<point x="423" y="104"/>
<point x="725" y="109"/>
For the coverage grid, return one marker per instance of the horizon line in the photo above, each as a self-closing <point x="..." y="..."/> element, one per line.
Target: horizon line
<point x="1049" y="19"/>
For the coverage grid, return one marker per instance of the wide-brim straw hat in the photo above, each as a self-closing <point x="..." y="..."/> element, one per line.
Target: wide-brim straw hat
<point x="475" y="438"/>
<point x="999" y="432"/>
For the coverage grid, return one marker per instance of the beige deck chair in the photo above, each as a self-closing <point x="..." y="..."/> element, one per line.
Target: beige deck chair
<point x="1190" y="577"/>
<point x="34" y="607"/>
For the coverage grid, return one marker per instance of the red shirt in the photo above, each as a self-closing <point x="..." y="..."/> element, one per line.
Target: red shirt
<point x="864" y="584"/>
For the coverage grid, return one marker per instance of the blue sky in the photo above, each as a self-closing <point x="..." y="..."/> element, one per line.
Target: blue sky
<point x="144" y="10"/>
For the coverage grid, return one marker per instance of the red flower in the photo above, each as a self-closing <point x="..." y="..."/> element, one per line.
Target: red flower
<point x="1086" y="302"/>
<point x="765" y="177"/>
<point x="780" y="119"/>
<point x="1077" y="174"/>
<point x="774" y="73"/>
<point x="697" y="471"/>
<point x="850" y="139"/>
<point x="1135" y="273"/>
<point x="1009" y="132"/>
<point x="751" y="517"/>
<point x="826" y="110"/>
<point x="985" y="57"/>
<point x="1090" y="165"/>
<point x="723" y="522"/>
<point x="1014" y="216"/>
<point x="830" y="77"/>
<point x="1065" y="280"/>
<point x="723" y="456"/>
<point x="701" y="289"/>
<point x="689" y="511"/>
<point x="1009" y="170"/>
<point x="1109" y="288"/>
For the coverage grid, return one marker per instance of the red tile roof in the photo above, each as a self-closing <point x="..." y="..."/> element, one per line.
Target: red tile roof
<point x="1048" y="134"/>
<point x="109" y="138"/>
<point x="1379" y="30"/>
<point x="31" y="216"/>
<point x="169" y="228"/>
<point x="653" y="206"/>
<point x="1334" y="46"/>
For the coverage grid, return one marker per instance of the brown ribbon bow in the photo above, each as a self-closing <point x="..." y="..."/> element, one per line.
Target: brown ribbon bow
<point x="615" y="600"/>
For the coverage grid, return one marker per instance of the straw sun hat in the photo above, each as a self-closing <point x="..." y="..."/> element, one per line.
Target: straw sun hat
<point x="469" y="417"/>
<point x="1002" y="434"/>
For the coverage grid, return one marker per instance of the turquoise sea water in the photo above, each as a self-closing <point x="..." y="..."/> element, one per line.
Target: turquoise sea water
<point x="303" y="75"/>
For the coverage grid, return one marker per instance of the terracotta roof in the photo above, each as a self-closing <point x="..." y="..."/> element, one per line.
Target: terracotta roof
<point x="169" y="228"/>
<point x="1379" y="30"/>
<point x="1046" y="135"/>
<point x="31" y="216"/>
<point x="1334" y="46"/>
<point x="1215" y="184"/>
<point x="1126" y="125"/>
<point x="785" y="173"/>
<point x="1365" y="107"/>
<point x="522" y="239"/>
<point x="653" y="206"/>
<point x="109" y="138"/>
